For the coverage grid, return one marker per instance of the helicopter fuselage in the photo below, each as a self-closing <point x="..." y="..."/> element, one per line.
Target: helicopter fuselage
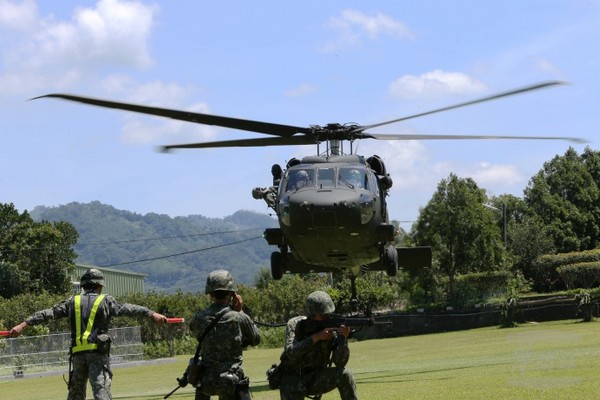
<point x="332" y="215"/>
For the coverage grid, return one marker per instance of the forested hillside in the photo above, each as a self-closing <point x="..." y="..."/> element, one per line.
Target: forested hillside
<point x="175" y="253"/>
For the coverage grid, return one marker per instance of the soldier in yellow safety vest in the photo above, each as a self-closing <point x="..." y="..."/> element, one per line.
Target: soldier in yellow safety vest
<point x="90" y="314"/>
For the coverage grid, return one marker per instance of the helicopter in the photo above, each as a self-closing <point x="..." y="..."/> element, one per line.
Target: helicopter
<point x="332" y="206"/>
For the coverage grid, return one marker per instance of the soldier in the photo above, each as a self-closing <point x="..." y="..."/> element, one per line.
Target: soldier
<point x="307" y="361"/>
<point x="89" y="314"/>
<point x="221" y="343"/>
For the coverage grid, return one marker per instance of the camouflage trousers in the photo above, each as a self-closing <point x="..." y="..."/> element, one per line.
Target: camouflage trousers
<point x="319" y="381"/>
<point x="92" y="367"/>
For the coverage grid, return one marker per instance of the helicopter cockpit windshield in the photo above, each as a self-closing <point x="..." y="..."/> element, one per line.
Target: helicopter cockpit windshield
<point x="303" y="178"/>
<point x="325" y="177"/>
<point x="353" y="178"/>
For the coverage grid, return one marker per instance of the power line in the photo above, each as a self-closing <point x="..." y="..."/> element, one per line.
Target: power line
<point x="179" y="254"/>
<point x="6" y="250"/>
<point x="166" y="238"/>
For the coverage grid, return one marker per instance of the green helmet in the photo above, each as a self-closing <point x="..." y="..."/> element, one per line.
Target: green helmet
<point x="92" y="276"/>
<point x="219" y="280"/>
<point x="319" y="302"/>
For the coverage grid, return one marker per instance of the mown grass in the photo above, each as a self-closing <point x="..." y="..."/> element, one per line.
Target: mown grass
<point x="552" y="360"/>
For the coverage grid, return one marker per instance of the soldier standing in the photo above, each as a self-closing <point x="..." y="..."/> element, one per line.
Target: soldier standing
<point x="90" y="314"/>
<point x="221" y="343"/>
<point x="308" y="360"/>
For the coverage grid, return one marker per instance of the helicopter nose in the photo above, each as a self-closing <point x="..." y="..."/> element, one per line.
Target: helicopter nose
<point x="343" y="213"/>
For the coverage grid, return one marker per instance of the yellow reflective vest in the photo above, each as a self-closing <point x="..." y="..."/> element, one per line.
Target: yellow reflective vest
<point x="81" y="338"/>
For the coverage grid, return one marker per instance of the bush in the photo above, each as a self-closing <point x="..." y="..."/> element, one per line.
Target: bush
<point x="16" y="310"/>
<point x="375" y="290"/>
<point x="162" y="349"/>
<point x="580" y="275"/>
<point x="585" y="306"/>
<point x="545" y="274"/>
<point x="276" y="301"/>
<point x="272" y="337"/>
<point x="509" y="313"/>
<point x="478" y="287"/>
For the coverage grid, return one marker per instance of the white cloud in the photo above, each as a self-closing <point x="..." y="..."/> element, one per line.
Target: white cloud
<point x="301" y="90"/>
<point x="115" y="31"/>
<point x="405" y="161"/>
<point x="544" y="65"/>
<point x="416" y="174"/>
<point x="354" y="27"/>
<point x="157" y="130"/>
<point x="435" y="84"/>
<point x="141" y="129"/>
<point x="18" y="16"/>
<point x="39" y="51"/>
<point x="492" y="174"/>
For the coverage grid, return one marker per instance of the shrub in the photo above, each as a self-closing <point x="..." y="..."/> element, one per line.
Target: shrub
<point x="509" y="313"/>
<point x="585" y="306"/>
<point x="545" y="274"/>
<point x="272" y="337"/>
<point x="583" y="275"/>
<point x="478" y="287"/>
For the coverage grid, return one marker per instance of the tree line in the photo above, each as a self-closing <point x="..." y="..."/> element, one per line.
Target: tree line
<point x="559" y="213"/>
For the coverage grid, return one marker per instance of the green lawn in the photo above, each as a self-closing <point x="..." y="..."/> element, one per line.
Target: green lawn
<point x="552" y="360"/>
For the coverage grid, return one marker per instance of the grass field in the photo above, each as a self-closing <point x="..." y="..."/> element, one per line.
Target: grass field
<point x="552" y="360"/>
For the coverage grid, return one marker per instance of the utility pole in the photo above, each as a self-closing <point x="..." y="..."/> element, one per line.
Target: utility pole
<point x="503" y="211"/>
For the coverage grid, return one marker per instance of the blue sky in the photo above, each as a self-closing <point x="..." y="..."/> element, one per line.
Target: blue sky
<point x="296" y="63"/>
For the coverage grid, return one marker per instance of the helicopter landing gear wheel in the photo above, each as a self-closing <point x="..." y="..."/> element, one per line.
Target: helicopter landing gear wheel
<point x="390" y="260"/>
<point x="276" y="265"/>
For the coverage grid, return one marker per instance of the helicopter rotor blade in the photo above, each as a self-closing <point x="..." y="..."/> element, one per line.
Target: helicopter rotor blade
<point x="383" y="136"/>
<point x="468" y="103"/>
<point x="314" y="134"/>
<point x="252" y="142"/>
<point x="207" y="119"/>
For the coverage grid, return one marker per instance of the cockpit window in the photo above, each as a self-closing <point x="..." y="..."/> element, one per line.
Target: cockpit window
<point x="353" y="178"/>
<point x="325" y="178"/>
<point x="300" y="179"/>
<point x="375" y="185"/>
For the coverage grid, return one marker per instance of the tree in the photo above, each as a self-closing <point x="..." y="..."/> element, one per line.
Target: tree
<point x="34" y="256"/>
<point x="527" y="236"/>
<point x="462" y="232"/>
<point x="565" y="196"/>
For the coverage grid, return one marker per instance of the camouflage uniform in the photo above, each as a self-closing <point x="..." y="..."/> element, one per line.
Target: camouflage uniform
<point x="309" y="366"/>
<point x="92" y="364"/>
<point x="221" y="348"/>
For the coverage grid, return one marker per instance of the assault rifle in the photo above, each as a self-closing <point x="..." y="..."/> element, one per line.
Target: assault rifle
<point x="181" y="382"/>
<point x="307" y="327"/>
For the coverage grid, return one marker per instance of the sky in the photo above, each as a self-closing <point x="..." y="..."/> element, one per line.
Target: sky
<point x="294" y="63"/>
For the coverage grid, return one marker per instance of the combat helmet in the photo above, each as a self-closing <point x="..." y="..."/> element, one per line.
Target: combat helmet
<point x="219" y="280"/>
<point x="319" y="302"/>
<point x="92" y="277"/>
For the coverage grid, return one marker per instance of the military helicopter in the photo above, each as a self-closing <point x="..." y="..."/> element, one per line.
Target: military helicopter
<point x="331" y="206"/>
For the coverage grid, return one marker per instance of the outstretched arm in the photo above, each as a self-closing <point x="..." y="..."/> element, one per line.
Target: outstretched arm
<point x="17" y="329"/>
<point x="159" y="318"/>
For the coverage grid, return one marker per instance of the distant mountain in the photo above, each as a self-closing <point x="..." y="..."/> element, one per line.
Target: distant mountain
<point x="175" y="253"/>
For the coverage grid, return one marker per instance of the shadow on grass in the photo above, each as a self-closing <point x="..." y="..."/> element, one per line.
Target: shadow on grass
<point x="384" y="375"/>
<point x="186" y="392"/>
<point x="381" y="376"/>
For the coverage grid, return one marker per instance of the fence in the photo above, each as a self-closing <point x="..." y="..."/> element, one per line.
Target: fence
<point x="546" y="308"/>
<point x="34" y="354"/>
